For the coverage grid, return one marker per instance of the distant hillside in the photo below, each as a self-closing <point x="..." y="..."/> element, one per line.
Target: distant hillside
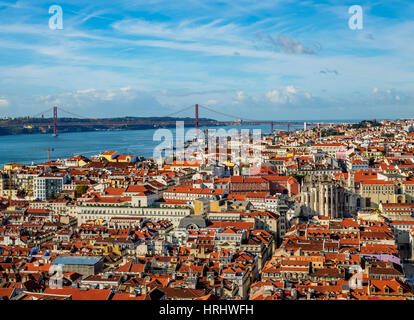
<point x="45" y="125"/>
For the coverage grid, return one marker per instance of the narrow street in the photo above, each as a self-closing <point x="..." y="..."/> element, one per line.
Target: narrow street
<point x="409" y="271"/>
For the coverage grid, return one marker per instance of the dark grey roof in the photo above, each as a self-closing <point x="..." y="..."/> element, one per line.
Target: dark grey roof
<point x="193" y="219"/>
<point x="76" y="260"/>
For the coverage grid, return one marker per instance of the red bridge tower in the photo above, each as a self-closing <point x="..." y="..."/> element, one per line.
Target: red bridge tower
<point x="196" y="117"/>
<point x="55" y="131"/>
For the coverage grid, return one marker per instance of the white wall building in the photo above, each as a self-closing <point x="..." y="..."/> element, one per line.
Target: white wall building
<point x="175" y="215"/>
<point x="49" y="185"/>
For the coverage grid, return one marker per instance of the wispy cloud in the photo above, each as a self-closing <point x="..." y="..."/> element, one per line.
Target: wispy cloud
<point x="245" y="54"/>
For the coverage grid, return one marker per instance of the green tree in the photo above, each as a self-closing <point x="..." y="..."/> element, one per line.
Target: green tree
<point x="80" y="190"/>
<point x="298" y="177"/>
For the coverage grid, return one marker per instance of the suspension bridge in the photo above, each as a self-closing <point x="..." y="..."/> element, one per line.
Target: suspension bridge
<point x="41" y="120"/>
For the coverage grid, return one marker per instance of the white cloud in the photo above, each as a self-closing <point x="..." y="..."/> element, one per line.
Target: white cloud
<point x="93" y="103"/>
<point x="289" y="45"/>
<point x="288" y="95"/>
<point x="241" y="95"/>
<point x="85" y="91"/>
<point x="290" y="89"/>
<point x="4" y="102"/>
<point x="389" y="96"/>
<point x="273" y="96"/>
<point x="216" y="30"/>
<point x="211" y="102"/>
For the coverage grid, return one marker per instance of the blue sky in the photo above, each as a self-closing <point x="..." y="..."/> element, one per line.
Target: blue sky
<point x="253" y="59"/>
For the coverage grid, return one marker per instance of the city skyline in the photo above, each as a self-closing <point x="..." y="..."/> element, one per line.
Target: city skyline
<point x="278" y="59"/>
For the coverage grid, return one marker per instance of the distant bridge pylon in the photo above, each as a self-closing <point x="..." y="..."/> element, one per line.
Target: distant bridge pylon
<point x="165" y="120"/>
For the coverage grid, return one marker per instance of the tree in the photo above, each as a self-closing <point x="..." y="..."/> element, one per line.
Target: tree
<point x="80" y="190"/>
<point x="298" y="177"/>
<point x="21" y="193"/>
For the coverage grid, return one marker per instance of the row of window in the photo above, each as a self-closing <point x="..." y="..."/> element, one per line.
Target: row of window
<point x="133" y="212"/>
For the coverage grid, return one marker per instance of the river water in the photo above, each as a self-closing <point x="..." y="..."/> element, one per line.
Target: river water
<point x="24" y="148"/>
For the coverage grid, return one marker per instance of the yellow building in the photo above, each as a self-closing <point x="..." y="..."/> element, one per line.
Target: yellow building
<point x="205" y="206"/>
<point x="238" y="205"/>
<point x="114" y="156"/>
<point x="376" y="192"/>
<point x="103" y="249"/>
<point x="376" y="153"/>
<point x="77" y="161"/>
<point x="110" y="155"/>
<point x="128" y="158"/>
<point x="5" y="187"/>
<point x="218" y="206"/>
<point x="12" y="166"/>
